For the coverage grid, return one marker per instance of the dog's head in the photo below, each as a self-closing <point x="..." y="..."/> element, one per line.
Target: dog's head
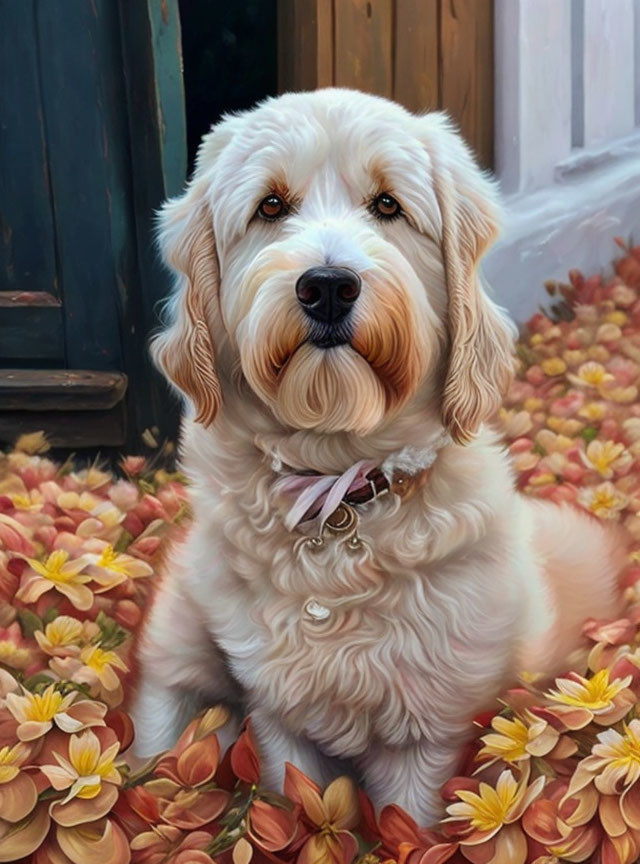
<point x="326" y="251"/>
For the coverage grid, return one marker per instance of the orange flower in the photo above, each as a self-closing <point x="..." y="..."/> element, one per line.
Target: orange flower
<point x="168" y="845"/>
<point x="21" y="839"/>
<point x="583" y="700"/>
<point x="187" y="796"/>
<point x="18" y="792"/>
<point x="332" y="814"/>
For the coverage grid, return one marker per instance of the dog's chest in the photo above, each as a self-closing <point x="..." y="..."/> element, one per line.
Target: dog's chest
<point x="346" y="653"/>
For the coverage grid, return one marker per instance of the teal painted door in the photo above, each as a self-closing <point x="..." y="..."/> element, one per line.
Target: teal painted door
<point x="92" y="139"/>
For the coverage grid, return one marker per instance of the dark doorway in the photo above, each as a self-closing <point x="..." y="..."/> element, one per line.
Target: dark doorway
<point x="230" y="59"/>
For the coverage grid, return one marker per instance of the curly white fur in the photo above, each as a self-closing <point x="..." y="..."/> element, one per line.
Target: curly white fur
<point x="452" y="591"/>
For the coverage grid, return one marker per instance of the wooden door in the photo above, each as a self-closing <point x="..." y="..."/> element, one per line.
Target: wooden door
<point x="92" y="141"/>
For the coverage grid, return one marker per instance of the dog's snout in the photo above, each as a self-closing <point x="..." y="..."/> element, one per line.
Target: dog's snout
<point x="327" y="294"/>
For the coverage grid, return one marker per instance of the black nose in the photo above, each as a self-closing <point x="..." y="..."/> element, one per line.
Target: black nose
<point x="327" y="293"/>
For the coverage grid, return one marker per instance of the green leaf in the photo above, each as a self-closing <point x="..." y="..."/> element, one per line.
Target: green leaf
<point x="123" y="542"/>
<point x="589" y="433"/>
<point x="29" y="622"/>
<point x="50" y="615"/>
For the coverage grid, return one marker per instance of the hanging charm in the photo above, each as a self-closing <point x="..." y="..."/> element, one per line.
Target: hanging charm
<point x="343" y="521"/>
<point x="315" y="612"/>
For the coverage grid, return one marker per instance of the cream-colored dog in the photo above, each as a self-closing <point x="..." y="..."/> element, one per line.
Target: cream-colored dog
<point x="360" y="576"/>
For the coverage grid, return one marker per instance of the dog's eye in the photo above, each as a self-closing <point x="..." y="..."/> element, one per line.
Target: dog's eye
<point x="272" y="207"/>
<point x="385" y="206"/>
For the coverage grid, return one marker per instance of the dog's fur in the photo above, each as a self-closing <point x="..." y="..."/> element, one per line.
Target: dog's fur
<point x="453" y="591"/>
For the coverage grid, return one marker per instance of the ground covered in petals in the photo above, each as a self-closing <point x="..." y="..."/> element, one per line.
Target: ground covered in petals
<point x="552" y="775"/>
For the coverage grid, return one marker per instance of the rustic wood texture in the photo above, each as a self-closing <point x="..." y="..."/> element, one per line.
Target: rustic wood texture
<point x="31" y="326"/>
<point x="68" y="429"/>
<point x="416" y="69"/>
<point x="426" y="54"/>
<point x="60" y="390"/>
<point x="305" y="58"/>
<point x="363" y="45"/>
<point x="151" y="54"/>
<point x="27" y="237"/>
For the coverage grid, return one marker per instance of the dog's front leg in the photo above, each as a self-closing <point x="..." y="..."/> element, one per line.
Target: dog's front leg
<point x="277" y="746"/>
<point x="411" y="777"/>
<point x="181" y="670"/>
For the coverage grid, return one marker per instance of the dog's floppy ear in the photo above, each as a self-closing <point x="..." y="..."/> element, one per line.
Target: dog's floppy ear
<point x="184" y="351"/>
<point x="480" y="362"/>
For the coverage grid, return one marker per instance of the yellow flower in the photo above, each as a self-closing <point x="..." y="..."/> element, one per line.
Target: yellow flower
<point x="533" y="404"/>
<point x="606" y="457"/>
<point x="553" y="366"/>
<point x="488" y="810"/>
<point x="593" y="411"/>
<point x="596" y="694"/>
<point x="14" y="656"/>
<point x="86" y="768"/>
<point x="515" y="741"/>
<point x="61" y="636"/>
<point x="566" y="426"/>
<point x="616" y="317"/>
<point x="604" y="500"/>
<point x="37" y="712"/>
<point x="103" y="663"/>
<point x="27" y="500"/>
<point x="11" y="758"/>
<point x="110" y="568"/>
<point x="60" y="573"/>
<point x="591" y="374"/>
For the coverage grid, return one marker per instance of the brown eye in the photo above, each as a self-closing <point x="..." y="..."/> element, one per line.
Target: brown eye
<point x="385" y="206"/>
<point x="272" y="207"/>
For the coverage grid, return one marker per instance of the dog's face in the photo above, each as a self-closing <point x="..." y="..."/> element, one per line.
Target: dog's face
<point x="326" y="250"/>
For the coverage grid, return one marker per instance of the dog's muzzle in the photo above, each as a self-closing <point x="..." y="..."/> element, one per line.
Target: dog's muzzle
<point x="327" y="295"/>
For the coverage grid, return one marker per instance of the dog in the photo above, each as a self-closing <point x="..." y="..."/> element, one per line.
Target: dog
<point x="360" y="577"/>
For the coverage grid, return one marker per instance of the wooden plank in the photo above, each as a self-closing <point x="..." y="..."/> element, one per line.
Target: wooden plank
<point x="27" y="241"/>
<point x="416" y="61"/>
<point x="83" y="100"/>
<point x="13" y="299"/>
<point x="466" y="71"/>
<point x="60" y="389"/>
<point x="74" y="429"/>
<point x="608" y="70"/>
<point x="305" y="36"/>
<point x="533" y="91"/>
<point x="151" y="56"/>
<point x="29" y="332"/>
<point x="364" y="45"/>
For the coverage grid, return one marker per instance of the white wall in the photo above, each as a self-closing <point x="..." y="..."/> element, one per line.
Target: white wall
<point x="567" y="142"/>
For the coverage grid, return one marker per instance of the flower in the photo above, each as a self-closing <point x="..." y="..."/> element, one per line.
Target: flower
<point x="514" y="741"/>
<point x="88" y="774"/>
<point x="590" y="374"/>
<point x="58" y="572"/>
<point x="36" y="713"/>
<point x="14" y="649"/>
<point x="18" y="792"/>
<point x="103" y="664"/>
<point x="488" y="815"/>
<point x="583" y="700"/>
<point x="605" y="501"/>
<point x="110" y="568"/>
<point x="331" y="815"/>
<point x="61" y="637"/>
<point x="607" y="458"/>
<point x="553" y="366"/>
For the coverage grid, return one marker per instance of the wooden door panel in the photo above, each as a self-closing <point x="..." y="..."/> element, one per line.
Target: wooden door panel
<point x="27" y="237"/>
